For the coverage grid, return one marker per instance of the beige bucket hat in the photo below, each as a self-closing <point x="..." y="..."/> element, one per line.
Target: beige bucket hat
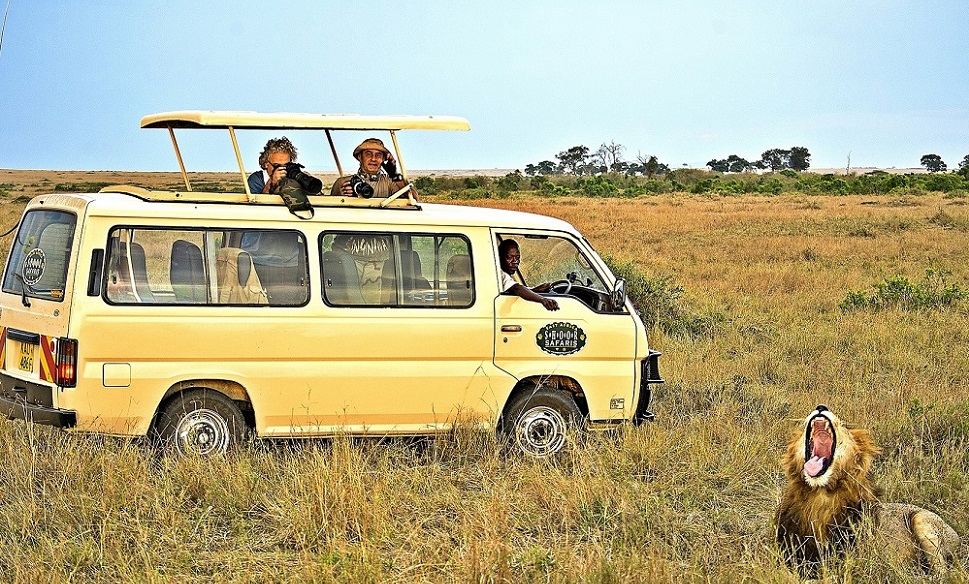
<point x="370" y="144"/>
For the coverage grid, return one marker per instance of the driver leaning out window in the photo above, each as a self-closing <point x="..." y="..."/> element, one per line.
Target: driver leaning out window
<point x="509" y="256"/>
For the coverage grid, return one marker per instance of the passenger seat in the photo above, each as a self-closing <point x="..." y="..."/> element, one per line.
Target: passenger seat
<point x="187" y="273"/>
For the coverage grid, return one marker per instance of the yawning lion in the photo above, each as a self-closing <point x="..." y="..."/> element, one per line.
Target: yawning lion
<point x="830" y="500"/>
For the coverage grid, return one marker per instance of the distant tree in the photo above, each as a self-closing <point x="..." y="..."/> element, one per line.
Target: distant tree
<point x="609" y="155"/>
<point x="546" y="167"/>
<point x="964" y="167"/>
<point x="623" y="167"/>
<point x="933" y="163"/>
<point x="543" y="168"/>
<point x="719" y="165"/>
<point x="732" y="163"/>
<point x="776" y="159"/>
<point x="800" y="159"/>
<point x="737" y="164"/>
<point x="573" y="159"/>
<point x="650" y="164"/>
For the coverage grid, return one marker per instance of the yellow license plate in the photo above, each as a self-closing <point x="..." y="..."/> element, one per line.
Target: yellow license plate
<point x="27" y="356"/>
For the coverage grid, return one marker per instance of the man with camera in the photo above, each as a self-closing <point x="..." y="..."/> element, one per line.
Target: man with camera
<point x="369" y="181"/>
<point x="278" y="163"/>
<point x="277" y="154"/>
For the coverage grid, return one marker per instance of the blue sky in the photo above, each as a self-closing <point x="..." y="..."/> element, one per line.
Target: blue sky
<point x="684" y="80"/>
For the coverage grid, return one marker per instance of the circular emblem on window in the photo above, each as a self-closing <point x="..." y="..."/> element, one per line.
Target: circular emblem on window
<point x="33" y="267"/>
<point x="560" y="338"/>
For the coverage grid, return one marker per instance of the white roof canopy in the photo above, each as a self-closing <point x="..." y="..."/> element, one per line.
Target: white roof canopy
<point x="278" y="121"/>
<point x="232" y="121"/>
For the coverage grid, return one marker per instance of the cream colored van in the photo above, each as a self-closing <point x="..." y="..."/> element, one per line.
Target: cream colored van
<point x="203" y="318"/>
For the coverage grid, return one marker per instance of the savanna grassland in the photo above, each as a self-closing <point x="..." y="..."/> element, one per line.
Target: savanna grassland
<point x="765" y="314"/>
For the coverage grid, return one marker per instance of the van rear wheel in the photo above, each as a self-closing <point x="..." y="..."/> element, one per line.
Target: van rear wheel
<point x="201" y="423"/>
<point x="541" y="420"/>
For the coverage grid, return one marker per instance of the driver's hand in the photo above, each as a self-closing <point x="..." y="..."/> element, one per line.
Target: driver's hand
<point x="550" y="304"/>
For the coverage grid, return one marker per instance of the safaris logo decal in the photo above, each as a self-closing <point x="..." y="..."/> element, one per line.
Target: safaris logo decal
<point x="560" y="338"/>
<point x="33" y="267"/>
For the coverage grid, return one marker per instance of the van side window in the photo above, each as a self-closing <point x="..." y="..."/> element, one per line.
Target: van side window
<point x="204" y="267"/>
<point x="396" y="270"/>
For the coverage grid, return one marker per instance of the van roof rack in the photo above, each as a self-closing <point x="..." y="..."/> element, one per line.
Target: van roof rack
<point x="257" y="199"/>
<point x="233" y="120"/>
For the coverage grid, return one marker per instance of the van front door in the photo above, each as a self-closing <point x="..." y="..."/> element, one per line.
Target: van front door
<point x="585" y="340"/>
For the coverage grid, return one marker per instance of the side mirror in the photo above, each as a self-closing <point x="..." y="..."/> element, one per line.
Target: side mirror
<point x="619" y="294"/>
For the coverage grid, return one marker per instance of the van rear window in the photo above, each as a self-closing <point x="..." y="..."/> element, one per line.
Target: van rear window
<point x="397" y="269"/>
<point x="206" y="266"/>
<point x="40" y="256"/>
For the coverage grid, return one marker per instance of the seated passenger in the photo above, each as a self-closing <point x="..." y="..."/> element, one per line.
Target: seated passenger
<point x="369" y="181"/>
<point x="273" y="160"/>
<point x="509" y="255"/>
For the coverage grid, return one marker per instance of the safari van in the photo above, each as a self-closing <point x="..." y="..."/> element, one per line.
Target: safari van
<point x="202" y="318"/>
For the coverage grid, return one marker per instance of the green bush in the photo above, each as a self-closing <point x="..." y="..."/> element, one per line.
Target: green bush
<point x="83" y="187"/>
<point x="597" y="186"/>
<point x="943" y="182"/>
<point x="426" y="185"/>
<point x="898" y="292"/>
<point x="513" y="181"/>
<point x="659" y="302"/>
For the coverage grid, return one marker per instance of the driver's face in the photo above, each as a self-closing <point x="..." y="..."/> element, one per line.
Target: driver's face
<point x="510" y="261"/>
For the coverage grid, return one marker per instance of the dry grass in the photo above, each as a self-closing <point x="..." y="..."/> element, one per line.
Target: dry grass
<point x="687" y="498"/>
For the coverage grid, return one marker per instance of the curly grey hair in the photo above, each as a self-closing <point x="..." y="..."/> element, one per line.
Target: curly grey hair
<point x="277" y="145"/>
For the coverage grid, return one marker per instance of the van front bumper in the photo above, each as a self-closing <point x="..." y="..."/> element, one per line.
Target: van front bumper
<point x="649" y="374"/>
<point x="24" y="400"/>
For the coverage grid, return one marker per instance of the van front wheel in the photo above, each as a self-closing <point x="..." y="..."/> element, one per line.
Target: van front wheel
<point x="541" y="420"/>
<point x="201" y="423"/>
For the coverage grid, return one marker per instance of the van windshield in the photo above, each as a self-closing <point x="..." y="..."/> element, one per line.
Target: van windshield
<point x="40" y="256"/>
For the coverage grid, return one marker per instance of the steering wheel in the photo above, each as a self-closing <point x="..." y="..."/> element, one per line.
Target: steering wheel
<point x="565" y="284"/>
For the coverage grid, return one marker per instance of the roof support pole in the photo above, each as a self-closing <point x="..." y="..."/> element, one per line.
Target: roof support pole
<point x="400" y="167"/>
<point x="329" y="138"/>
<point x="178" y="154"/>
<point x="242" y="168"/>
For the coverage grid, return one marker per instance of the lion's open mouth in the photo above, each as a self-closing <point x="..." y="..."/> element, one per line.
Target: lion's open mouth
<point x="819" y="444"/>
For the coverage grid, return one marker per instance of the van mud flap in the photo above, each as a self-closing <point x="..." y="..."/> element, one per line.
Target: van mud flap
<point x="649" y="375"/>
<point x="24" y="400"/>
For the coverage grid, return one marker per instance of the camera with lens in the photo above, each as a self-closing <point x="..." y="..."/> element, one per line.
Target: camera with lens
<point x="361" y="188"/>
<point x="307" y="182"/>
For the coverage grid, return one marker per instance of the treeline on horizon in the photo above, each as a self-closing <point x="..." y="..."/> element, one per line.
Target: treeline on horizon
<point x="604" y="173"/>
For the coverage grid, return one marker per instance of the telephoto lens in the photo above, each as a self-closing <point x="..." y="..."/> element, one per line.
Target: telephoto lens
<point x="307" y="182"/>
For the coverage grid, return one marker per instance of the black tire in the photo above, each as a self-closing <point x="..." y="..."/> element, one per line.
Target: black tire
<point x="201" y="422"/>
<point x="540" y="420"/>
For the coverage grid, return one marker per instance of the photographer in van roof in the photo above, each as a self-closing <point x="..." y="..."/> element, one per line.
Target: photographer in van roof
<point x="278" y="153"/>
<point x="376" y="177"/>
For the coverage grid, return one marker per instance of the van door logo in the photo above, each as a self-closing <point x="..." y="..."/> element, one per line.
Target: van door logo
<point x="33" y="267"/>
<point x="560" y="338"/>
